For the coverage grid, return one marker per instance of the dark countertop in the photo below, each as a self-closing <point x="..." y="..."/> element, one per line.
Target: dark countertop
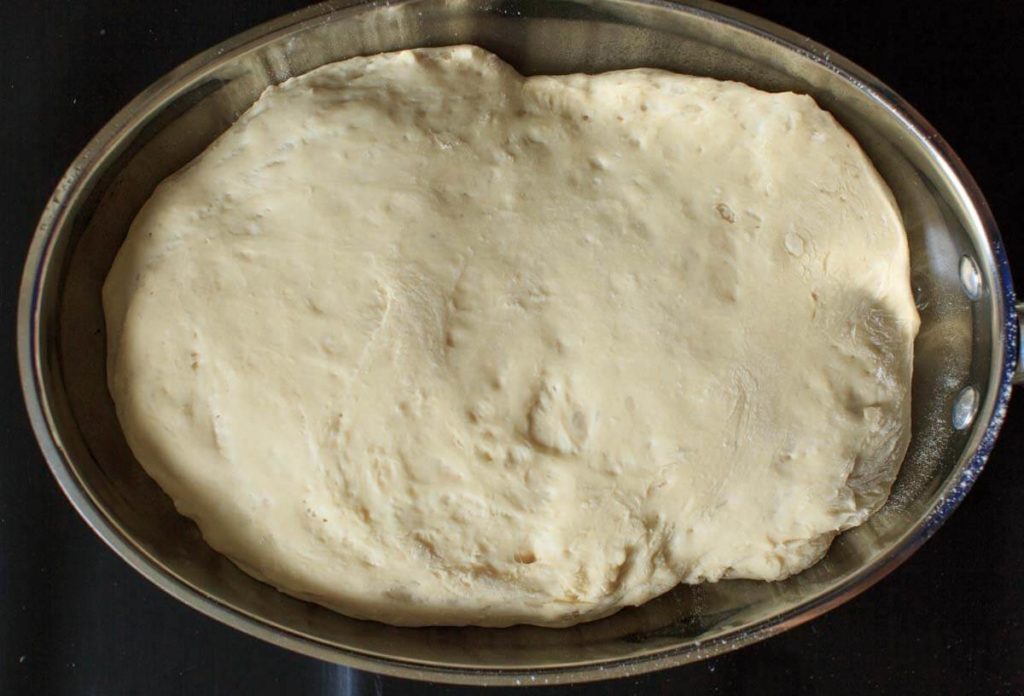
<point x="77" y="620"/>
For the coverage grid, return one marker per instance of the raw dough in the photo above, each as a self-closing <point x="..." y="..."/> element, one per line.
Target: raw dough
<point x="431" y="343"/>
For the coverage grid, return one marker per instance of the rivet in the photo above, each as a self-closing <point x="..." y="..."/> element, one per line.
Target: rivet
<point x="970" y="278"/>
<point x="965" y="408"/>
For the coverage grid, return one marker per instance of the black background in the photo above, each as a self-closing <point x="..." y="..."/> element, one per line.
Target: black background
<point x="75" y="619"/>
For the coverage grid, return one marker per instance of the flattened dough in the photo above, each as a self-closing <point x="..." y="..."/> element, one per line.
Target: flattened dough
<point x="428" y="342"/>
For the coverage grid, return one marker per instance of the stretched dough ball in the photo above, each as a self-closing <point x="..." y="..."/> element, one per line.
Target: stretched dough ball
<point x="429" y="342"/>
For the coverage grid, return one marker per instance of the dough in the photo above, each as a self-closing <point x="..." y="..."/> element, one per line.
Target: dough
<point x="428" y="342"/>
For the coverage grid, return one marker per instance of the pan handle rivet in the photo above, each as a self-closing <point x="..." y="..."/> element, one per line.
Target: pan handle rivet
<point x="965" y="407"/>
<point x="970" y="278"/>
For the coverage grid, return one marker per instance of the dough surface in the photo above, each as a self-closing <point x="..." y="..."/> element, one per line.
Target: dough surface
<point x="428" y="342"/>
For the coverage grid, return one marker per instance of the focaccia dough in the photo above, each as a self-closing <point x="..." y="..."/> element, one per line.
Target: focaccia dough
<point x="429" y="342"/>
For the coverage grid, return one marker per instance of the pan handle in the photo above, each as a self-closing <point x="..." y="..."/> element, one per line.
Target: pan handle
<point x="1018" y="375"/>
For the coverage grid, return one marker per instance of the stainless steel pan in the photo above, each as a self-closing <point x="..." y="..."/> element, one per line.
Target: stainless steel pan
<point x="965" y="362"/>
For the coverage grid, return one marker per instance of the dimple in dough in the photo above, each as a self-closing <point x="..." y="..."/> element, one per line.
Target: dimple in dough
<point x="429" y="342"/>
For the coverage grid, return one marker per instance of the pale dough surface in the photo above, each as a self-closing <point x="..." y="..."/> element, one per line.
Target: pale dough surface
<point x="431" y="343"/>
